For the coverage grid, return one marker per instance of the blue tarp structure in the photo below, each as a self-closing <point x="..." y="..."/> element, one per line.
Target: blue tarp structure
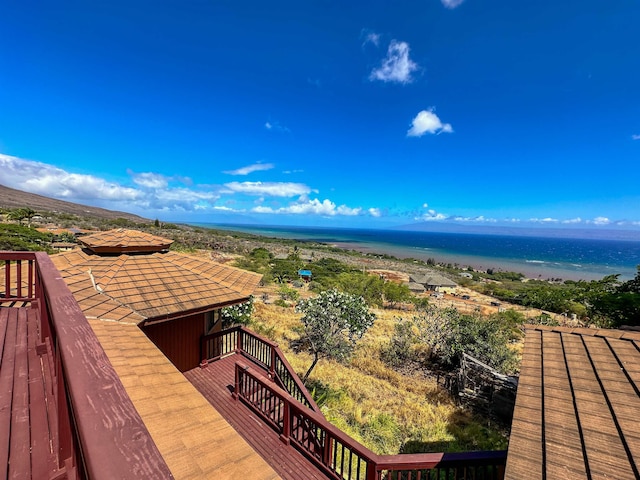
<point x="306" y="274"/>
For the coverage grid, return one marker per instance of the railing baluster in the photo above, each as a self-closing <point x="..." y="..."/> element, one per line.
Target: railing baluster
<point x="7" y="278"/>
<point x="19" y="278"/>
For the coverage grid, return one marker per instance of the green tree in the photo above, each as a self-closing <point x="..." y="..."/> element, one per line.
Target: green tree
<point x="332" y="324"/>
<point x="449" y="334"/>
<point x="369" y="287"/>
<point x="21" y="214"/>
<point x="396" y="292"/>
<point x="288" y="293"/>
<point x="619" y="305"/>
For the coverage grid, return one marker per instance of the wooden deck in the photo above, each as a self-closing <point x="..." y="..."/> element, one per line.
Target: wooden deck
<point x="216" y="384"/>
<point x="27" y="447"/>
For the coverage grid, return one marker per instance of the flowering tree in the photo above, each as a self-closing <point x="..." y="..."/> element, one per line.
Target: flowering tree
<point x="239" y="314"/>
<point x="332" y="323"/>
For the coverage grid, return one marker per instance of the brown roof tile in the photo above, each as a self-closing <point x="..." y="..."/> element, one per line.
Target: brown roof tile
<point x="135" y="287"/>
<point x="193" y="438"/>
<point x="577" y="405"/>
<point x="122" y="240"/>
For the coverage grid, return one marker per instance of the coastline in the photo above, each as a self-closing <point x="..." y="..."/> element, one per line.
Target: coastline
<point x="536" y="258"/>
<point x="534" y="270"/>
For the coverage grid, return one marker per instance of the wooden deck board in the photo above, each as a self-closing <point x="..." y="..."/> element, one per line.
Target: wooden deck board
<point x="42" y="460"/>
<point x="19" y="447"/>
<point x="25" y="433"/>
<point x="24" y="428"/>
<point x="215" y="382"/>
<point x="8" y="316"/>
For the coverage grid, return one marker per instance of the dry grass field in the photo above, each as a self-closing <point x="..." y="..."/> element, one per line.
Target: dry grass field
<point x="387" y="411"/>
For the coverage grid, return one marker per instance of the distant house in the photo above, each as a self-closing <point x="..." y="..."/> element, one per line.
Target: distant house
<point x="63" y="246"/>
<point x="465" y="275"/>
<point x="434" y="282"/>
<point x="131" y="277"/>
<point x="416" y="287"/>
<point x="305" y="275"/>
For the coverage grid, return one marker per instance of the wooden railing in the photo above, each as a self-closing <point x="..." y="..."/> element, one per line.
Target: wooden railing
<point x="19" y="279"/>
<point x="342" y="458"/>
<point x="98" y="433"/>
<point x="262" y="352"/>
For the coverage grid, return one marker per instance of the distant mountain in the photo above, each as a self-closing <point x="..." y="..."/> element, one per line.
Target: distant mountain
<point x="11" y="198"/>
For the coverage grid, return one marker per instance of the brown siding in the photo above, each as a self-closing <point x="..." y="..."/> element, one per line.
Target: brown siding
<point x="179" y="340"/>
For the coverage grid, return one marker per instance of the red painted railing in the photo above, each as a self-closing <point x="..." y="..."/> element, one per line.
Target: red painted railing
<point x="19" y="280"/>
<point x="261" y="351"/>
<point x="97" y="430"/>
<point x="342" y="458"/>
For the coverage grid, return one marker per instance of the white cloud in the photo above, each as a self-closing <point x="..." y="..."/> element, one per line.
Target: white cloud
<point x="256" y="167"/>
<point x="544" y="220"/>
<point x="375" y="212"/>
<point x="152" y="191"/>
<point x="600" y="221"/>
<point x="426" y="121"/>
<point x="276" y="127"/>
<point x="43" y="179"/>
<point x="451" y="4"/>
<point x="149" y="179"/>
<point x="311" y="207"/>
<point x="396" y="66"/>
<point x="478" y="219"/>
<point x="431" y="215"/>
<point x="635" y="137"/>
<point x="272" y="189"/>
<point x="572" y="221"/>
<point x="371" y="37"/>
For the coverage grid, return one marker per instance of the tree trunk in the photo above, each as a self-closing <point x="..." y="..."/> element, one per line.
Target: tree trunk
<point x="306" y="375"/>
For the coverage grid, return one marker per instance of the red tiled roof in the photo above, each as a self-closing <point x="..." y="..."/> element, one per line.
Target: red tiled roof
<point x="121" y="240"/>
<point x="577" y="406"/>
<point x="134" y="288"/>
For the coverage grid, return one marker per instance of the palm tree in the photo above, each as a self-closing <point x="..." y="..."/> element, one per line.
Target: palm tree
<point x="20" y="214"/>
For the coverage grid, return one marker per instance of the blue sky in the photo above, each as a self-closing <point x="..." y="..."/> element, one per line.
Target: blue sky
<point x="372" y="113"/>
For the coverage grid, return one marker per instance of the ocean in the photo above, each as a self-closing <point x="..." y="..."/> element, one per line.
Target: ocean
<point x="535" y="256"/>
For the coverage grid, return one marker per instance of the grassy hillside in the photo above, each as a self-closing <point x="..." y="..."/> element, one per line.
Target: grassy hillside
<point x="387" y="411"/>
<point x="11" y="198"/>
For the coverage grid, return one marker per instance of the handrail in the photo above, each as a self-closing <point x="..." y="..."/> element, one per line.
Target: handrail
<point x="100" y="435"/>
<point x="261" y="351"/>
<point x="342" y="457"/>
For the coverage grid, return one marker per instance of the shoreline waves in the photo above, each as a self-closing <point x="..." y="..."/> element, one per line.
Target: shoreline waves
<point x="535" y="257"/>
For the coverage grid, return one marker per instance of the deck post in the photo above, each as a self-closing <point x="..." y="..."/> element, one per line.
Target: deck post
<point x="239" y="341"/>
<point x="371" y="470"/>
<point x="30" y="284"/>
<point x="240" y="369"/>
<point x="286" y="424"/>
<point x="272" y="367"/>
<point x="327" y="450"/>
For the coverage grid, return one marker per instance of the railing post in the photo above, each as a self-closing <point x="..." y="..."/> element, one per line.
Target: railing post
<point x="30" y="277"/>
<point x="286" y="424"/>
<point x="272" y="367"/>
<point x="240" y="369"/>
<point x="372" y="468"/>
<point x="327" y="449"/>
<point x="239" y="341"/>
